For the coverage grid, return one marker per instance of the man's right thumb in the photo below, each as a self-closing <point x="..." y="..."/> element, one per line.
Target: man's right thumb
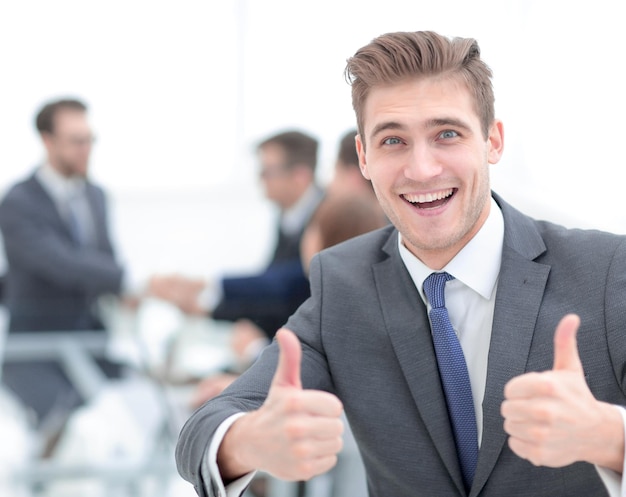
<point x="288" y="369"/>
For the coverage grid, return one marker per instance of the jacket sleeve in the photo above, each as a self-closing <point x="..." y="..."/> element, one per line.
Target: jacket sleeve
<point x="32" y="242"/>
<point x="249" y="391"/>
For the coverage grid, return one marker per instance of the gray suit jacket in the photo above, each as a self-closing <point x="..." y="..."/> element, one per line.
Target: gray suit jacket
<point x="366" y="337"/>
<point x="52" y="283"/>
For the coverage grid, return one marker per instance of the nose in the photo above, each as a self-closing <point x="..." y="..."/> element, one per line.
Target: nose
<point x="422" y="163"/>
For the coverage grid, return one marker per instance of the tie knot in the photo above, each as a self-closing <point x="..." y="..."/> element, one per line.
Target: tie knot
<point x="434" y="289"/>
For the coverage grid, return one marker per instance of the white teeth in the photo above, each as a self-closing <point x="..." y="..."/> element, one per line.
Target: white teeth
<point x="427" y="197"/>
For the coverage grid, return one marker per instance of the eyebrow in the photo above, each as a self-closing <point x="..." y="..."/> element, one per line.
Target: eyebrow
<point x="384" y="126"/>
<point x="431" y="123"/>
<point x="447" y="121"/>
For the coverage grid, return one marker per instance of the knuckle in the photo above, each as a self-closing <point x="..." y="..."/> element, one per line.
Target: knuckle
<point x="301" y="451"/>
<point x="338" y="409"/>
<point x="539" y="434"/>
<point x="548" y="384"/>
<point x="340" y="427"/>
<point x="543" y="414"/>
<point x="329" y="463"/>
<point x="294" y="429"/>
<point x="293" y="404"/>
<point x="339" y="445"/>
<point x="537" y="457"/>
<point x="305" y="470"/>
<point x="507" y="426"/>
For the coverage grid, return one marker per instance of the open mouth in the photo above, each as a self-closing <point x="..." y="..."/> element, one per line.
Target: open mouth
<point x="429" y="200"/>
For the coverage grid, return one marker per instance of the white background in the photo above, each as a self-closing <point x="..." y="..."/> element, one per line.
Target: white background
<point x="180" y="92"/>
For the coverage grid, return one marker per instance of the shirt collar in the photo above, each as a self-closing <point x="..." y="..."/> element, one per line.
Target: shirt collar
<point x="61" y="188"/>
<point x="477" y="265"/>
<point x="295" y="217"/>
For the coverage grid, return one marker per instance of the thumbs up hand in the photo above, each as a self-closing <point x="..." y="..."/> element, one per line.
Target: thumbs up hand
<point x="294" y="435"/>
<point x="552" y="417"/>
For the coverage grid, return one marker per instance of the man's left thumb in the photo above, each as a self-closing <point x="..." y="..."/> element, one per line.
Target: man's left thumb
<point x="566" y="356"/>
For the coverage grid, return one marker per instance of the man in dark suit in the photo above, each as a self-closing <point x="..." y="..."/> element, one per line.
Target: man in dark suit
<point x="288" y="162"/>
<point x="59" y="254"/>
<point x="507" y="406"/>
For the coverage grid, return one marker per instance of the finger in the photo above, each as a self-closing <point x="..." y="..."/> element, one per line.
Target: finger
<point x="529" y="385"/>
<point x="566" y="356"/>
<point x="521" y="448"/>
<point x="313" y="467"/>
<point x="320" y="403"/>
<point x="288" y="369"/>
<point x="315" y="403"/>
<point x="318" y="429"/>
<point x="314" y="449"/>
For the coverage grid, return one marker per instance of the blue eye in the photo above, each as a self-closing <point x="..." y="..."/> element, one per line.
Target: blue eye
<point x="448" y="134"/>
<point x="392" y="141"/>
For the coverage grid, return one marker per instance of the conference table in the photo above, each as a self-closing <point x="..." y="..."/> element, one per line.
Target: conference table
<point x="121" y="441"/>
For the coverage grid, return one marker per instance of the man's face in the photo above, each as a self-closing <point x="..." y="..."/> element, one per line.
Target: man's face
<point x="69" y="146"/>
<point x="276" y="177"/>
<point x="429" y="164"/>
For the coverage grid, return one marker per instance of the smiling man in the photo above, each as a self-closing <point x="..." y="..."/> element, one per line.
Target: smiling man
<point x="474" y="350"/>
<point x="428" y="160"/>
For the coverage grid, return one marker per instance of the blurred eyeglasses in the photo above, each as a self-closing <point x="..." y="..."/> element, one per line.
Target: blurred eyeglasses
<point x="273" y="172"/>
<point x="78" y="141"/>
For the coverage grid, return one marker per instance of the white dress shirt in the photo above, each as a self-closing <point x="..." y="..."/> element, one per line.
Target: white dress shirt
<point x="470" y="300"/>
<point x="470" y="297"/>
<point x="70" y="197"/>
<point x="71" y="193"/>
<point x="296" y="217"/>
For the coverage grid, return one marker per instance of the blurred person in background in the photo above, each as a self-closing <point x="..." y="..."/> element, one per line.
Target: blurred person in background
<point x="60" y="258"/>
<point x="347" y="177"/>
<point x="350" y="208"/>
<point x="288" y="162"/>
<point x="338" y="218"/>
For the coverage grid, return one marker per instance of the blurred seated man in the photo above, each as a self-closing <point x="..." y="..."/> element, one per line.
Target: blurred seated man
<point x="347" y="180"/>
<point x="339" y="217"/>
<point x="347" y="177"/>
<point x="59" y="254"/>
<point x="288" y="162"/>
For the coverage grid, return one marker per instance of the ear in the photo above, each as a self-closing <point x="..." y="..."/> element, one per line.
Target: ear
<point x="360" y="149"/>
<point x="495" y="142"/>
<point x="302" y="172"/>
<point x="47" y="139"/>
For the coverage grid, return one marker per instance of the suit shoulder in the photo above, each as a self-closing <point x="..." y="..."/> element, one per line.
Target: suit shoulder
<point x="19" y="191"/>
<point x="580" y="252"/>
<point x="578" y="239"/>
<point x="367" y="247"/>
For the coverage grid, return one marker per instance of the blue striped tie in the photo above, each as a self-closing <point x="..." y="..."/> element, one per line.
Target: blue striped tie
<point x="454" y="376"/>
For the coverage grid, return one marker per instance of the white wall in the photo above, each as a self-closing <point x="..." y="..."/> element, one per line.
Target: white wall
<point x="181" y="91"/>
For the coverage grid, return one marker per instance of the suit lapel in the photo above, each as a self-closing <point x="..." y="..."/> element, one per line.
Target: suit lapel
<point x="408" y="327"/>
<point x="48" y="206"/>
<point x="521" y="286"/>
